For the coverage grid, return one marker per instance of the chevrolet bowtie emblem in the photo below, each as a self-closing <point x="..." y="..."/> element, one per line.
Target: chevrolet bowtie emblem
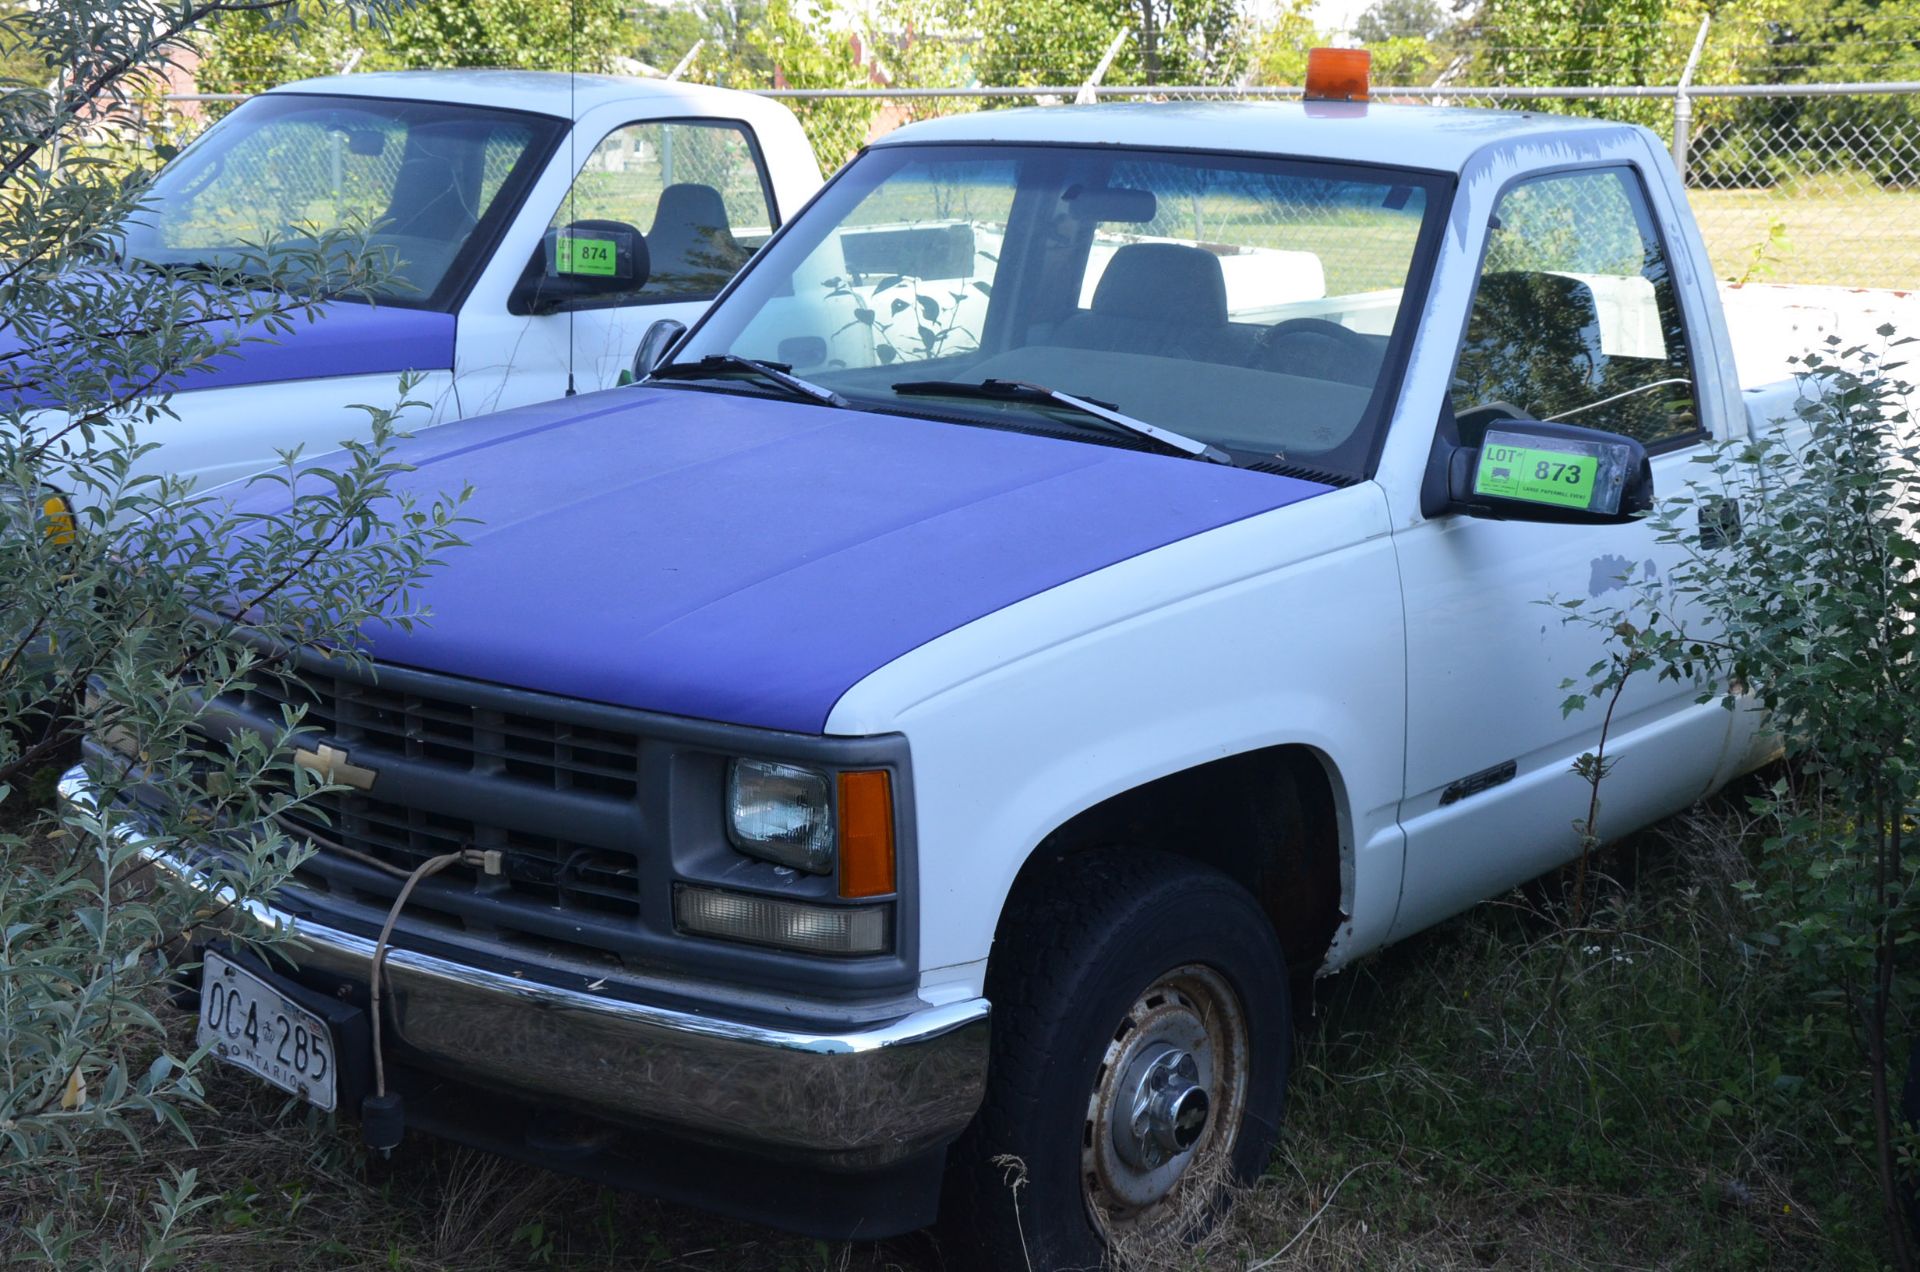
<point x="332" y="768"/>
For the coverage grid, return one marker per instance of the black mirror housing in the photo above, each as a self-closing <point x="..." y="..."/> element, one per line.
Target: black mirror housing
<point x="661" y="336"/>
<point x="1529" y="470"/>
<point x="588" y="261"/>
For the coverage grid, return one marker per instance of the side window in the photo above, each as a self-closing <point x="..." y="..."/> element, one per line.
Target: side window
<point x="694" y="189"/>
<point x="1575" y="316"/>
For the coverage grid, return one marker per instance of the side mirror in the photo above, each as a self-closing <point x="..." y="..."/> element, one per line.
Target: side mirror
<point x="655" y="345"/>
<point x="587" y="261"/>
<point x="1527" y="470"/>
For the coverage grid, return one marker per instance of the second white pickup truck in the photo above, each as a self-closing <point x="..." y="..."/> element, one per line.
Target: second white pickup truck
<point x="539" y="223"/>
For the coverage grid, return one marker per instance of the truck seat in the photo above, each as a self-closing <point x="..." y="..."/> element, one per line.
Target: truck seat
<point x="435" y="193"/>
<point x="691" y="245"/>
<point x="1156" y="298"/>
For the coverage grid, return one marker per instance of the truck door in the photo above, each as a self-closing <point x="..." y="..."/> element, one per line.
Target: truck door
<point x="1576" y="316"/>
<point x="695" y="191"/>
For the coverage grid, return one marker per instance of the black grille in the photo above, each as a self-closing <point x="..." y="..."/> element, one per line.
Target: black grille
<point x="558" y="798"/>
<point x="540" y="869"/>
<point x="596" y="809"/>
<point x="548" y="753"/>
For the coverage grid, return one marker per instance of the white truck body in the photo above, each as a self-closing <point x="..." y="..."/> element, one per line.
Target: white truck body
<point x="987" y="757"/>
<point x="1381" y="634"/>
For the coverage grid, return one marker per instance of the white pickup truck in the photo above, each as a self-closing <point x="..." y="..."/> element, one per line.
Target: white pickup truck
<point x="1087" y="572"/>
<point x="537" y="224"/>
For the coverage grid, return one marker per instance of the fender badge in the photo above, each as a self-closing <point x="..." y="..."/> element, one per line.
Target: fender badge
<point x="333" y="768"/>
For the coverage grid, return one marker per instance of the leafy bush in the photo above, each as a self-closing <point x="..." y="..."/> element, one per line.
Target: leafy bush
<point x="1809" y="614"/>
<point x="128" y="599"/>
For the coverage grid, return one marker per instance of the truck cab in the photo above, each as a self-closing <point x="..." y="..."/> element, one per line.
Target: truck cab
<point x="1086" y="571"/>
<point x="487" y="195"/>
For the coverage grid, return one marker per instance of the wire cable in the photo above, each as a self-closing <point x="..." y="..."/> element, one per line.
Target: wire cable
<point x="487" y="861"/>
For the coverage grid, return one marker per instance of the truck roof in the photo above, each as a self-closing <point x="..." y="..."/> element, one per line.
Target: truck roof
<point x="1436" y="138"/>
<point x="542" y="92"/>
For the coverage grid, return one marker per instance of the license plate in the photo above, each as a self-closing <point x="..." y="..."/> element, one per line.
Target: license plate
<point x="253" y="1025"/>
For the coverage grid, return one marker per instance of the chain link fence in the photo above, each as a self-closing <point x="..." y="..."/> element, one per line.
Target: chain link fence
<point x="1809" y="183"/>
<point x="1813" y="183"/>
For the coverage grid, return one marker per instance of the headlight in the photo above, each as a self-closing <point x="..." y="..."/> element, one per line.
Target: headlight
<point x="781" y="813"/>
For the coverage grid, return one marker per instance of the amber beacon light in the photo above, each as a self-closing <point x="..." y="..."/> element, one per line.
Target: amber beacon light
<point x="1338" y="75"/>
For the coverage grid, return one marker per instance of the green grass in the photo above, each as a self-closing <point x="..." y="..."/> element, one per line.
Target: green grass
<point x="1844" y="234"/>
<point x="1645" y="1091"/>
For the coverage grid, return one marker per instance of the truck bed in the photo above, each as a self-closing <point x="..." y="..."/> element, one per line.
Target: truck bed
<point x="1770" y="323"/>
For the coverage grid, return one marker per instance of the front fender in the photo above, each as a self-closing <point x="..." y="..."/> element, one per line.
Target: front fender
<point x="1282" y="628"/>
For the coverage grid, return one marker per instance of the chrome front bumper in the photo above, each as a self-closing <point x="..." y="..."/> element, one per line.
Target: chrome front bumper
<point x="855" y="1100"/>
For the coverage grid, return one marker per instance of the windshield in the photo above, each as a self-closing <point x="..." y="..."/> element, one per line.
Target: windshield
<point x="426" y="183"/>
<point x="1249" y="303"/>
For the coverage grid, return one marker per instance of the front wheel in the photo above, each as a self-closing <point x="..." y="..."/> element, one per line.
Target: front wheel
<point x="1141" y="1042"/>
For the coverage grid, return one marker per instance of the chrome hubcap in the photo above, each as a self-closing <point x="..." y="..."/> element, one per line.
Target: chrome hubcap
<point x="1169" y="1108"/>
<point x="1167" y="1097"/>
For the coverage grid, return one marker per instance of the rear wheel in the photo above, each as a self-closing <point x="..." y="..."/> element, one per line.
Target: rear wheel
<point x="1141" y="1042"/>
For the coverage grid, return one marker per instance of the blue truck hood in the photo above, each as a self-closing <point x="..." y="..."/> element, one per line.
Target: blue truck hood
<point x="342" y="338"/>
<point x="745" y="560"/>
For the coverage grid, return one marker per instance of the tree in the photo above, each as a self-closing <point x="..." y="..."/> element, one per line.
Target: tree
<point x="1584" y="43"/>
<point x="662" y="34"/>
<point x="827" y="44"/>
<point x="1061" y="41"/>
<point x="1278" y="48"/>
<point x="1764" y="141"/>
<point x="1400" y="19"/>
<point x="1576" y="43"/>
<point x="252" y="49"/>
<point x="540" y="35"/>
<point x="129" y="603"/>
<point x="1409" y="40"/>
<point x="806" y="48"/>
<point x="21" y="64"/>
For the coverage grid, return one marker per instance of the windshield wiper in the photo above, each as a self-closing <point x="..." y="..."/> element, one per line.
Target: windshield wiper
<point x="777" y="373"/>
<point x="1020" y="391"/>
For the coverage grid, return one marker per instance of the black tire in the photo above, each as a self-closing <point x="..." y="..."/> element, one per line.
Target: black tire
<point x="1076" y="956"/>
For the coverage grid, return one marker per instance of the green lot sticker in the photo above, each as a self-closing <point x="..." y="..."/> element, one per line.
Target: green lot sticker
<point x="1561" y="478"/>
<point x="596" y="256"/>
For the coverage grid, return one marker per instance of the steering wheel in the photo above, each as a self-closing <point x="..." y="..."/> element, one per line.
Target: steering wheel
<point x="1319" y="330"/>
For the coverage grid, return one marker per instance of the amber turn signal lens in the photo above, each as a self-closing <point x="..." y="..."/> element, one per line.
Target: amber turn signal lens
<point x="866" y="833"/>
<point x="1338" y="75"/>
